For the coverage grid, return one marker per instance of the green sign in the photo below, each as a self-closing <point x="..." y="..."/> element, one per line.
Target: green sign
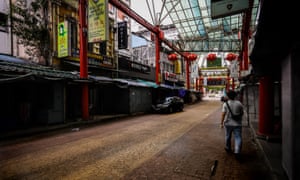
<point x="215" y="63"/>
<point x="62" y="40"/>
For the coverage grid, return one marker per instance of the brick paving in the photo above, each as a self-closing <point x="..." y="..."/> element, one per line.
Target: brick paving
<point x="187" y="145"/>
<point x="200" y="154"/>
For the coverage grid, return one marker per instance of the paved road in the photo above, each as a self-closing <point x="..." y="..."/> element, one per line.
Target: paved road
<point x="183" y="145"/>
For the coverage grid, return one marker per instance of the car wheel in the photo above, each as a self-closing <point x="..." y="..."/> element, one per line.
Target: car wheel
<point x="171" y="110"/>
<point x="181" y="108"/>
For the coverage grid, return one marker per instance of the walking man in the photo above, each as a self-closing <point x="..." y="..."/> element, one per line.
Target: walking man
<point x="231" y="119"/>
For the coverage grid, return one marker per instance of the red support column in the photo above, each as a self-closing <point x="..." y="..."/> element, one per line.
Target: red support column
<point x="241" y="62"/>
<point x="83" y="57"/>
<point x="157" y="58"/>
<point x="197" y="84"/>
<point x="266" y="106"/>
<point x="232" y="85"/>
<point x="245" y="55"/>
<point x="187" y="73"/>
<point x="227" y="83"/>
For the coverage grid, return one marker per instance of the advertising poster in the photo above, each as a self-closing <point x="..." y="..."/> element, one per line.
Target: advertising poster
<point x="177" y="66"/>
<point x="97" y="21"/>
<point x="122" y="35"/>
<point x="62" y="40"/>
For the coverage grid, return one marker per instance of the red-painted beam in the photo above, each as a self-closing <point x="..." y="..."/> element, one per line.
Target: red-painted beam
<point x="174" y="48"/>
<point x="154" y="29"/>
<point x="159" y="37"/>
<point x="122" y="7"/>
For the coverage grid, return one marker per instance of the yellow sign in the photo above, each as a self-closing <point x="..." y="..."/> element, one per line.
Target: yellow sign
<point x="177" y="65"/>
<point x="98" y="24"/>
<point x="62" y="40"/>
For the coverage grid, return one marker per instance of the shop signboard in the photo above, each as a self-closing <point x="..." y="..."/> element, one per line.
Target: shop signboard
<point x="122" y="35"/>
<point x="222" y="8"/>
<point x="215" y="63"/>
<point x="62" y="40"/>
<point x="97" y="20"/>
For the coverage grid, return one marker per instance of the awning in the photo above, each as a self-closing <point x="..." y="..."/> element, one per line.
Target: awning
<point x="170" y="87"/>
<point x="148" y="83"/>
<point x="130" y="82"/>
<point x="8" y="58"/>
<point x="19" y="67"/>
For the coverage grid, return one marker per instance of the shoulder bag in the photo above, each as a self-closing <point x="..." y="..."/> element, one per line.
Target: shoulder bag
<point x="234" y="117"/>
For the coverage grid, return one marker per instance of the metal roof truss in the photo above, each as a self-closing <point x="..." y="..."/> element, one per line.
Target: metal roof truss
<point x="200" y="33"/>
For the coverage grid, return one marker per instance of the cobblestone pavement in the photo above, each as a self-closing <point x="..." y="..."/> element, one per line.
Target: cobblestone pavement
<point x="183" y="145"/>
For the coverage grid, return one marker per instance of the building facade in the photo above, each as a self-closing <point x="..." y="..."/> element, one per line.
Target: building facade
<point x="5" y="30"/>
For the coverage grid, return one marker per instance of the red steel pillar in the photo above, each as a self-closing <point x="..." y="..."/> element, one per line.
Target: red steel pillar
<point x="83" y="57"/>
<point x="245" y="55"/>
<point x="187" y="73"/>
<point x="232" y="85"/>
<point x="157" y="58"/>
<point x="266" y="106"/>
<point x="197" y="84"/>
<point x="227" y="84"/>
<point x="158" y="38"/>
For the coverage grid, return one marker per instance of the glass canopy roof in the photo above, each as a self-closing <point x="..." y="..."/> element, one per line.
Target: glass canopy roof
<point x="198" y="32"/>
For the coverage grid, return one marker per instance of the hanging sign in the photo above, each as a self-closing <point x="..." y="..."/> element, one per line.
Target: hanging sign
<point x="222" y="8"/>
<point x="234" y="69"/>
<point x="177" y="67"/>
<point x="98" y="21"/>
<point x="216" y="63"/>
<point x="122" y="35"/>
<point x="62" y="40"/>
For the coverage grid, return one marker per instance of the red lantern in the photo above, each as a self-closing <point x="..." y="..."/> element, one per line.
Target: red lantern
<point x="172" y="57"/>
<point x="230" y="57"/>
<point x="211" y="57"/>
<point x="191" y="57"/>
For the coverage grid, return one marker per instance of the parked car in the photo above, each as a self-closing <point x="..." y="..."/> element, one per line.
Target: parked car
<point x="169" y="105"/>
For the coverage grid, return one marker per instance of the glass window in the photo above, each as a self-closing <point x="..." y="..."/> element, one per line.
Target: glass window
<point x="3" y="22"/>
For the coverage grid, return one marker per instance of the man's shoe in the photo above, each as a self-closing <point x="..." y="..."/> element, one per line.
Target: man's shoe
<point x="238" y="157"/>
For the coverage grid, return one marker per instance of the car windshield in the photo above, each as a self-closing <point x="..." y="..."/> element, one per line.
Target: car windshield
<point x="168" y="99"/>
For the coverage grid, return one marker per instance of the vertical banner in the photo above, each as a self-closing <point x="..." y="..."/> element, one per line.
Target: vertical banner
<point x="234" y="69"/>
<point x="62" y="40"/>
<point x="177" y="66"/>
<point x="194" y="70"/>
<point x="205" y="81"/>
<point x="98" y="21"/>
<point x="122" y="35"/>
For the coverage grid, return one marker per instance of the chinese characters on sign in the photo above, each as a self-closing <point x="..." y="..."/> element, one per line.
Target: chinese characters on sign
<point x="122" y="35"/>
<point x="97" y="17"/>
<point x="62" y="39"/>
